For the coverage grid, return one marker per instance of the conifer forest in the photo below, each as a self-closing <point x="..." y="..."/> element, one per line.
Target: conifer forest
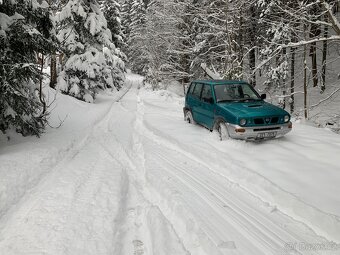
<point x="289" y="49"/>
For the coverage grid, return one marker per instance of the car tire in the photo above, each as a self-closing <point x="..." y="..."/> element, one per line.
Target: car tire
<point x="188" y="117"/>
<point x="222" y="130"/>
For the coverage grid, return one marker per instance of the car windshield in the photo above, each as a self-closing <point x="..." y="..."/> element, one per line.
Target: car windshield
<point x="235" y="92"/>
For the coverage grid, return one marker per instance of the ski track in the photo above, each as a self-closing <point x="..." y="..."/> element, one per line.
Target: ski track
<point x="141" y="193"/>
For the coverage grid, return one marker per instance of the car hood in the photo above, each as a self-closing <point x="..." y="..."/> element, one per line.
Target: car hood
<point x="252" y="109"/>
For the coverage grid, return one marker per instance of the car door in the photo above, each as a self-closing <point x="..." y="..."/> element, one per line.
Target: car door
<point x="206" y="107"/>
<point x="195" y="101"/>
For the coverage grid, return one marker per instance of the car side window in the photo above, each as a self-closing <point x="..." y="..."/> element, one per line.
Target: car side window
<point x="197" y="90"/>
<point x="206" y="93"/>
<point x="191" y="88"/>
<point x="247" y="91"/>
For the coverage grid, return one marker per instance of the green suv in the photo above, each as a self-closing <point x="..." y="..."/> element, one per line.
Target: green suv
<point x="235" y="110"/>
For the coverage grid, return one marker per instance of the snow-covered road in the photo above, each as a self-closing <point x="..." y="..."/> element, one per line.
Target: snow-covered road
<point x="142" y="181"/>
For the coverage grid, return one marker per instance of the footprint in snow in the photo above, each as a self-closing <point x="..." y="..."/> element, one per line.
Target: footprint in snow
<point x="227" y="245"/>
<point x="138" y="247"/>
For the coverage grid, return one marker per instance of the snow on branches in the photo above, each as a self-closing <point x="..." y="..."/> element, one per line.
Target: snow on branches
<point x="92" y="60"/>
<point x="25" y="30"/>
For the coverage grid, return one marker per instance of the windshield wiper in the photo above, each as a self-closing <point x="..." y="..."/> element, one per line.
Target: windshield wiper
<point x="239" y="100"/>
<point x="250" y="99"/>
<point x="227" y="100"/>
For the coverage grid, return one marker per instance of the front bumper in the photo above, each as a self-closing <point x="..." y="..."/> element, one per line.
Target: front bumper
<point x="259" y="132"/>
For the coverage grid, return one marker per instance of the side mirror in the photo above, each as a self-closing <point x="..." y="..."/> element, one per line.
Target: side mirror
<point x="263" y="96"/>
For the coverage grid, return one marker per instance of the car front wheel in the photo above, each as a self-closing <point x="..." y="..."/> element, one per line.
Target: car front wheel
<point x="222" y="130"/>
<point x="188" y="117"/>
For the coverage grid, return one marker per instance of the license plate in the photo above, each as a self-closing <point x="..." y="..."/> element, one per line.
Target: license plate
<point x="266" y="135"/>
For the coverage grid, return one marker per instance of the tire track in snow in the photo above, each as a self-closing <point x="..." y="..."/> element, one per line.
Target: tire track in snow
<point x="70" y="212"/>
<point x="299" y="210"/>
<point x="65" y="156"/>
<point x="122" y="211"/>
<point x="161" y="141"/>
<point x="323" y="222"/>
<point x="143" y="229"/>
<point x="252" y="224"/>
<point x="256" y="225"/>
<point x="190" y="244"/>
<point x="37" y="207"/>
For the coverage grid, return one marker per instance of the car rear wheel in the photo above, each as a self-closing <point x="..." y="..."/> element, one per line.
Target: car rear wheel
<point x="222" y="130"/>
<point x="188" y="117"/>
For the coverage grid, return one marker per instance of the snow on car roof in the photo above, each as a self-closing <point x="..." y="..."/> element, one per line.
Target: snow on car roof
<point x="219" y="82"/>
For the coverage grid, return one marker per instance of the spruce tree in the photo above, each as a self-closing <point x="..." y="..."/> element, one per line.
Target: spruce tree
<point x="92" y="60"/>
<point x="111" y="10"/>
<point x="24" y="31"/>
<point x="126" y="21"/>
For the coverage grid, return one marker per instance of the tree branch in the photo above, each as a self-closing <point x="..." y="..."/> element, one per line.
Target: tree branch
<point x="332" y="18"/>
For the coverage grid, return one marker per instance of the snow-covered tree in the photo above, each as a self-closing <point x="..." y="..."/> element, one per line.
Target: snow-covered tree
<point x="178" y="36"/>
<point x="24" y="32"/>
<point x="162" y="42"/>
<point x="111" y="10"/>
<point x="260" y="40"/>
<point x="291" y="26"/>
<point x="126" y="19"/>
<point x="134" y="19"/>
<point x="278" y="31"/>
<point x="92" y="61"/>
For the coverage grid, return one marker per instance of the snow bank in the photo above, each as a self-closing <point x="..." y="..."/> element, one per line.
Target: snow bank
<point x="25" y="161"/>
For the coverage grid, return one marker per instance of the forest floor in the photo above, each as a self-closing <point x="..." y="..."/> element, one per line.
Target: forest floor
<point x="127" y="176"/>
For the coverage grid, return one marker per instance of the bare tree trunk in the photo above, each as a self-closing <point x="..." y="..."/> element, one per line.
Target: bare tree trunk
<point x="252" y="64"/>
<point x="232" y="45"/>
<point x="284" y="85"/>
<point x="305" y="76"/>
<point x="40" y="85"/>
<point x="332" y="18"/>
<point x="314" y="64"/>
<point x="324" y="56"/>
<point x="314" y="32"/>
<point x="53" y="72"/>
<point x="185" y="57"/>
<point x="252" y="53"/>
<point x="292" y="80"/>
<point x="240" y="49"/>
<point x="336" y="7"/>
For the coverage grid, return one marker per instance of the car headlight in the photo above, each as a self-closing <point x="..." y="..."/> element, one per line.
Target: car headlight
<point x="243" y="122"/>
<point x="286" y="118"/>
